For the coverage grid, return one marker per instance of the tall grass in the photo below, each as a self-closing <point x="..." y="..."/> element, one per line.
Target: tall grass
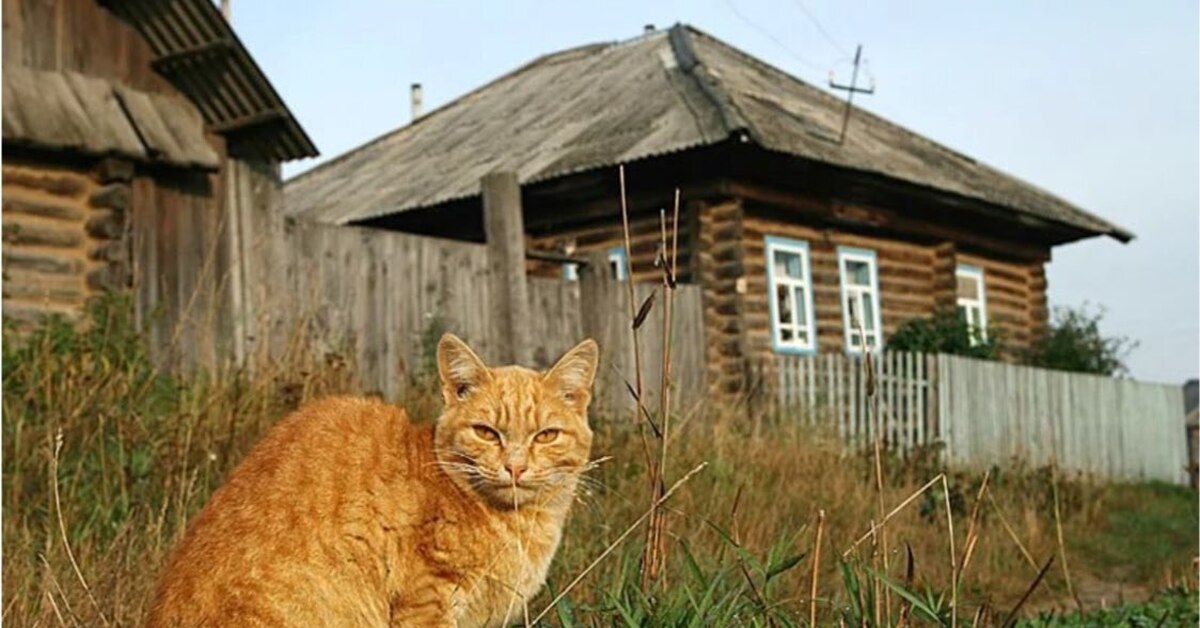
<point x="131" y="453"/>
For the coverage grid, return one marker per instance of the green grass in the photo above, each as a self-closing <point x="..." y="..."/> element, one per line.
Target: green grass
<point x="1172" y="607"/>
<point x="141" y="452"/>
<point x="1141" y="528"/>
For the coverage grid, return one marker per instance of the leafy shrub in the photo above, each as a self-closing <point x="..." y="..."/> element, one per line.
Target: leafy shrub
<point x="1073" y="342"/>
<point x="944" y="332"/>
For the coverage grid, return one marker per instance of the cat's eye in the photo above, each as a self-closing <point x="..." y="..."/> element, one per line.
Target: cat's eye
<point x="486" y="433"/>
<point x="546" y="436"/>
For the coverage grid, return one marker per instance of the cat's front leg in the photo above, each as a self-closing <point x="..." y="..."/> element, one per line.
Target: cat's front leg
<point x="428" y="605"/>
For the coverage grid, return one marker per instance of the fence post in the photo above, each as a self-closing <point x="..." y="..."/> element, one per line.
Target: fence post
<point x="505" y="232"/>
<point x="603" y="320"/>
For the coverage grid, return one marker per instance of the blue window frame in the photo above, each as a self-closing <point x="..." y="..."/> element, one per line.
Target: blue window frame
<point x="789" y="281"/>
<point x="618" y="263"/>
<point x="859" y="272"/>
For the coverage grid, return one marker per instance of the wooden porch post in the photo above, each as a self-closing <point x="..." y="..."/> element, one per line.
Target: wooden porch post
<point x="505" y="232"/>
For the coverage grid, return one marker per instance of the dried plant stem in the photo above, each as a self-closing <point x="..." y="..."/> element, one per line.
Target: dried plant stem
<point x="816" y="570"/>
<point x="1062" y="547"/>
<point x="613" y="546"/>
<point x="62" y="528"/>
<point x="1012" y="533"/>
<point x="657" y="530"/>
<point x="972" y="531"/>
<point x="637" y="352"/>
<point x="939" y="477"/>
<point x="953" y="560"/>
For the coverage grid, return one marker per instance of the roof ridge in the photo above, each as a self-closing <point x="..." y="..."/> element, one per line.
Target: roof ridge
<point x="685" y="53"/>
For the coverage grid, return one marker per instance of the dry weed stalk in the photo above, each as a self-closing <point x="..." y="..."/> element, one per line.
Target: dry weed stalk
<point x="624" y="535"/>
<point x="62" y="528"/>
<point x="816" y="569"/>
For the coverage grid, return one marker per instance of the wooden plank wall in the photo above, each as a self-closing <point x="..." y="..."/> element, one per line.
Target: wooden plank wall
<point x="80" y="36"/>
<point x="831" y="389"/>
<point x="375" y="294"/>
<point x="994" y="413"/>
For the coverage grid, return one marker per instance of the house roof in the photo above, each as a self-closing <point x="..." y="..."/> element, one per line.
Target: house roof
<point x="660" y="93"/>
<point x="197" y="51"/>
<point x="67" y="110"/>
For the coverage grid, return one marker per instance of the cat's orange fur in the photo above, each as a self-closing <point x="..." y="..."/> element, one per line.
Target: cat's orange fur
<point x="346" y="514"/>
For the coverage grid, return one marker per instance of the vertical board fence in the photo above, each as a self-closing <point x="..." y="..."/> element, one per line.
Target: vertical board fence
<point x="988" y="413"/>
<point x="382" y="294"/>
<point x="833" y="388"/>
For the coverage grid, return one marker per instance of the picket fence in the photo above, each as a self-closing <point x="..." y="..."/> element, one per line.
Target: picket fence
<point x="983" y="413"/>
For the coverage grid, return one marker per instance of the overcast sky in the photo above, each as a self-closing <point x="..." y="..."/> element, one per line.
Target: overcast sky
<point x="1096" y="102"/>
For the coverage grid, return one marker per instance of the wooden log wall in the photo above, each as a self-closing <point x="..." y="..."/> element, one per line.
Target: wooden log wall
<point x="722" y="274"/>
<point x="606" y="233"/>
<point x="64" y="243"/>
<point x="1016" y="299"/>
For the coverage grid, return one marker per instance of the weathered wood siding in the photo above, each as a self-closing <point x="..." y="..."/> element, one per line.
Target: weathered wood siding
<point x="987" y="413"/>
<point x="63" y="238"/>
<point x="80" y="36"/>
<point x="382" y="295"/>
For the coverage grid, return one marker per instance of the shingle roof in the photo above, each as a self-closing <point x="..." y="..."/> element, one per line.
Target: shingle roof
<point x="198" y="52"/>
<point x="67" y="110"/>
<point x="604" y="104"/>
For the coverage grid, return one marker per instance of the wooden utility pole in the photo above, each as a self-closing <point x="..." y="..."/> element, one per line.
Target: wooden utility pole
<point x="850" y="90"/>
<point x="505" y="231"/>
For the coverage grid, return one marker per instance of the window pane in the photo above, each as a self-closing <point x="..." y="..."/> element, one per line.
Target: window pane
<point x="785" y="333"/>
<point x="868" y="317"/>
<point x="788" y="265"/>
<point x="802" y="337"/>
<point x="858" y="273"/>
<point x="784" y="304"/>
<point x="968" y="287"/>
<point x="801" y="305"/>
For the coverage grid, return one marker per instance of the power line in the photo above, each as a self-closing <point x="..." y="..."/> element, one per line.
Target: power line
<point x="821" y="29"/>
<point x="762" y="31"/>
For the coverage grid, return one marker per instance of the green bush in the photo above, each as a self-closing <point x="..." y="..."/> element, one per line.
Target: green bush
<point x="1073" y="342"/>
<point x="944" y="332"/>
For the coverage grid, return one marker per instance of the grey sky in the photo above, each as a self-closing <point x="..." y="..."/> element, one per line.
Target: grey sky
<point x="1096" y="102"/>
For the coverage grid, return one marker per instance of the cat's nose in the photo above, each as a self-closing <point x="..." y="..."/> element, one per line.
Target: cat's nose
<point x="515" y="469"/>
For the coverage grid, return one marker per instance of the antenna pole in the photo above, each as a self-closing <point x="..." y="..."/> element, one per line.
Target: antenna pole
<point x="850" y="90"/>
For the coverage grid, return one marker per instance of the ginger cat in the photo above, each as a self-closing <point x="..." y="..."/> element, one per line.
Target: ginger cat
<point x="346" y="514"/>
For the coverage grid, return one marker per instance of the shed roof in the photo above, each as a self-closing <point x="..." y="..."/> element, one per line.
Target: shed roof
<point x="67" y="110"/>
<point x="198" y="52"/>
<point x="660" y="93"/>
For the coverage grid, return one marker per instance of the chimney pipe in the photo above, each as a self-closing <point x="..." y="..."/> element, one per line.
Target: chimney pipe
<point x="649" y="28"/>
<point x="227" y="10"/>
<point x="416" y="101"/>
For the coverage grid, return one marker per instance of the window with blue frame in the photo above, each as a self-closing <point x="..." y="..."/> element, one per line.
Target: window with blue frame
<point x="859" y="273"/>
<point x="618" y="263"/>
<point x="789" y="280"/>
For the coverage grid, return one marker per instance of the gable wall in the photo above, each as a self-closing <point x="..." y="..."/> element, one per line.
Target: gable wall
<point x="78" y="36"/>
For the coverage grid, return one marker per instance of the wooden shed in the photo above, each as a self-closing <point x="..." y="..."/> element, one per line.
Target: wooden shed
<point x="789" y="231"/>
<point x="141" y="151"/>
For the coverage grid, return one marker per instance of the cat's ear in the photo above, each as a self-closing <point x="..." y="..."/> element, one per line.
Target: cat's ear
<point x="460" y="369"/>
<point x="573" y="374"/>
